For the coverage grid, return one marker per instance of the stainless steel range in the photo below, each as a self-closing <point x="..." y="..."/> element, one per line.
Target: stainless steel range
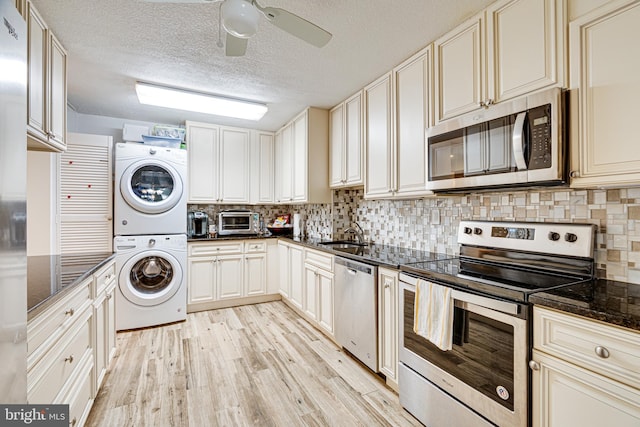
<point x="482" y="378"/>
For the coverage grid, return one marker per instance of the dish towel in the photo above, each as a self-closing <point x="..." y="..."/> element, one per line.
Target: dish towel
<point x="433" y="314"/>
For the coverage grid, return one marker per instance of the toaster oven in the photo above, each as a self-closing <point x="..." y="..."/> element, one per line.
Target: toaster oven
<point x="238" y="221"/>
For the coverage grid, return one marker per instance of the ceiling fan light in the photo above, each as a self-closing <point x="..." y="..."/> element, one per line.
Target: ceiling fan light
<point x="240" y="18"/>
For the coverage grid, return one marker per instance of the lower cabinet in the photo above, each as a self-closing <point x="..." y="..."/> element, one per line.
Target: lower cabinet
<point x="388" y="325"/>
<point x="227" y="273"/>
<point x="71" y="344"/>
<point x="291" y="261"/>
<point x="584" y="373"/>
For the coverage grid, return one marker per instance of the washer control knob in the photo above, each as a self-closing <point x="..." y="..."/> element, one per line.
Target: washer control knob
<point x="467" y="230"/>
<point x="152" y="242"/>
<point x="152" y="151"/>
<point x="477" y="231"/>
<point x="554" y="236"/>
<point x="570" y="237"/>
<point x="124" y="222"/>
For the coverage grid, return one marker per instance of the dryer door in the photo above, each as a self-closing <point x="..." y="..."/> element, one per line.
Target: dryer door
<point x="150" y="278"/>
<point x="151" y="186"/>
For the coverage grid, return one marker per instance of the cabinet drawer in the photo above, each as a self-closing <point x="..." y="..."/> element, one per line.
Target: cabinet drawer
<point x="212" y="249"/>
<point x="255" y="246"/>
<point x="80" y="395"/>
<point x="50" y="324"/>
<point x="611" y="351"/>
<point x="48" y="376"/>
<point x="104" y="277"/>
<point x="319" y="259"/>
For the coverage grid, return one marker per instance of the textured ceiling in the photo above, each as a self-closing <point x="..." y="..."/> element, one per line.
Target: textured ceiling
<point x="114" y="43"/>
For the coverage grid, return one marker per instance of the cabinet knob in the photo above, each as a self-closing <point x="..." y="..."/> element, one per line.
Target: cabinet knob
<point x="387" y="286"/>
<point x="73" y="421"/>
<point x="574" y="174"/>
<point x="69" y="312"/>
<point x="109" y="296"/>
<point x="535" y="366"/>
<point x="487" y="103"/>
<point x="602" y="352"/>
<point x="69" y="359"/>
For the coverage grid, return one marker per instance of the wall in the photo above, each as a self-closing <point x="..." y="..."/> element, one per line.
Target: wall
<point x="41" y="203"/>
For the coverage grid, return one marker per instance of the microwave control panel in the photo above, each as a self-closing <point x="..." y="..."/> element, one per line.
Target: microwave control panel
<point x="540" y="137"/>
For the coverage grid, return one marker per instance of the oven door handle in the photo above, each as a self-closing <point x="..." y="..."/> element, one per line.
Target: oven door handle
<point x="518" y="141"/>
<point x="460" y="298"/>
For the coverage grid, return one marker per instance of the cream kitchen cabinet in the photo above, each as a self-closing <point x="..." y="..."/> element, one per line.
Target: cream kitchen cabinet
<point x="218" y="163"/>
<point x="605" y="93"/>
<point x="388" y="325"/>
<point x="291" y="261"/>
<point x="346" y="143"/>
<point x="21" y="6"/>
<point x="225" y="273"/>
<point x="302" y="155"/>
<point x="585" y="373"/>
<point x="262" y="168"/>
<point x="47" y="86"/>
<point x="398" y="109"/>
<point x="104" y="342"/>
<point x="318" y="289"/>
<point x="523" y="51"/>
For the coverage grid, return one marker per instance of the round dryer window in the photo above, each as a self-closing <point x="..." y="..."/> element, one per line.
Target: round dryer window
<point x="151" y="186"/>
<point x="150" y="278"/>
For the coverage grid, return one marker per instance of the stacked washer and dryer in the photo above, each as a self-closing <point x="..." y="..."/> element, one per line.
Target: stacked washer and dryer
<point x="150" y="210"/>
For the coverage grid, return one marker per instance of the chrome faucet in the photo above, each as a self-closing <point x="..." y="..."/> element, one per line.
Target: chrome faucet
<point x="357" y="230"/>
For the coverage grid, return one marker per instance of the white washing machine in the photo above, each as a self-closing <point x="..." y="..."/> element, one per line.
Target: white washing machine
<point x="152" y="280"/>
<point x="151" y="194"/>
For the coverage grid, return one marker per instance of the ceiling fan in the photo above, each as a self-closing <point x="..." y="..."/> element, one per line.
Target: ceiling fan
<point x="239" y="18"/>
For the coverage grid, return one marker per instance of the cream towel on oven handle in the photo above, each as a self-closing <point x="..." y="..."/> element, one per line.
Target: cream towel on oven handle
<point x="433" y="314"/>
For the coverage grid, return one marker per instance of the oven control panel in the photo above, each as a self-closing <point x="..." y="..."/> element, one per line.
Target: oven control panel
<point x="552" y="238"/>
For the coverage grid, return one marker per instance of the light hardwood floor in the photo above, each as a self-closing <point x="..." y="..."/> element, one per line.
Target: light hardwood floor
<point x="255" y="365"/>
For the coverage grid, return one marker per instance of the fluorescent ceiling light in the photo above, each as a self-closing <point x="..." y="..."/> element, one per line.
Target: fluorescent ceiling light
<point x="199" y="102"/>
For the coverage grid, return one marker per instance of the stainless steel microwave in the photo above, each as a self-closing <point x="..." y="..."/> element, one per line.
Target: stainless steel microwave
<point x="238" y="221"/>
<point x="516" y="143"/>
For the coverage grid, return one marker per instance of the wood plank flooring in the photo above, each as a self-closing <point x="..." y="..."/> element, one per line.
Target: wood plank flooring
<point x="254" y="365"/>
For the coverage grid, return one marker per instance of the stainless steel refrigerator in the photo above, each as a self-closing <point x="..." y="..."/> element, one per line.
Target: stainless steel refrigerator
<point x="13" y="213"/>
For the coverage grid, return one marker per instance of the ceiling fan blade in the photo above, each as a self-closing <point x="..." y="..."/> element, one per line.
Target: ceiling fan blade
<point x="295" y="25"/>
<point x="235" y="46"/>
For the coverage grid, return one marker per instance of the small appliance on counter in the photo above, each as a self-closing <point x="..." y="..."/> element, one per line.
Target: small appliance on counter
<point x="197" y="225"/>
<point x="238" y="222"/>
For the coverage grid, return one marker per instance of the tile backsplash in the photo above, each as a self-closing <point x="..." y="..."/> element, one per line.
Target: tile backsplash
<point x="431" y="224"/>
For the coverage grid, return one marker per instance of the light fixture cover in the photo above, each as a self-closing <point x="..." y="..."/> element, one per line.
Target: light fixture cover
<point x="240" y="18"/>
<point x="180" y="99"/>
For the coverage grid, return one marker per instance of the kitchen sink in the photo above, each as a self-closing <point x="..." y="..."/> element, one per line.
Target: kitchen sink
<point x="343" y="244"/>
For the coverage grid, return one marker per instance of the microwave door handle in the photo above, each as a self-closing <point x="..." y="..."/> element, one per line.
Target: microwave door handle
<point x="518" y="141"/>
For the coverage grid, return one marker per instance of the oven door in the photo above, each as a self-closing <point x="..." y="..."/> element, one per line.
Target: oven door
<point x="235" y="223"/>
<point x="487" y="367"/>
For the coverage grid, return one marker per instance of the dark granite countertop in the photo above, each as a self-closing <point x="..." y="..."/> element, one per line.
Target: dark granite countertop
<point x="51" y="276"/>
<point x="609" y="301"/>
<point x="223" y="238"/>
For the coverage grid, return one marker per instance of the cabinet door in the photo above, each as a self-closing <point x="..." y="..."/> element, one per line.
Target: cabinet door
<point x="110" y="335"/>
<point x="379" y="138"/>
<point x="234" y="165"/>
<point x="201" y="280"/>
<point x="607" y="95"/>
<point x="353" y="140"/>
<point x="284" y="165"/>
<point x="296" y="275"/>
<point x="37" y="82"/>
<point x="255" y="274"/>
<point x="285" y="271"/>
<point x="525" y="46"/>
<point x="388" y="322"/>
<point x="459" y="72"/>
<point x="265" y="184"/>
<point x="100" y="319"/>
<point x="300" y="139"/>
<point x="310" y="293"/>
<point x="566" y="395"/>
<point x="325" y="299"/>
<point x="203" y="148"/>
<point x="229" y="276"/>
<point x="57" y="89"/>
<point x="337" y="147"/>
<point x="413" y="109"/>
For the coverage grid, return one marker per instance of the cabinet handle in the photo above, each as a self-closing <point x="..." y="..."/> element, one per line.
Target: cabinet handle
<point x="487" y="103"/>
<point x="109" y="296"/>
<point x="535" y="366"/>
<point x="69" y="359"/>
<point x="73" y="421"/>
<point x="602" y="352"/>
<point x="574" y="174"/>
<point x="387" y="286"/>
<point x="69" y="312"/>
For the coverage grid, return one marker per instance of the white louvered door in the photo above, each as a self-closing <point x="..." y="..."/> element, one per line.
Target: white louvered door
<point x="86" y="194"/>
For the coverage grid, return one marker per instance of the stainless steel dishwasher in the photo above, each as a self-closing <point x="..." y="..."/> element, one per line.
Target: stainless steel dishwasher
<point x="356" y="308"/>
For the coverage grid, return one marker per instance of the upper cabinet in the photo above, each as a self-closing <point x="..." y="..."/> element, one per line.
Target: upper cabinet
<point x="262" y="164"/>
<point x="604" y="78"/>
<point x="398" y="109"/>
<point x="302" y="156"/>
<point x="512" y="48"/>
<point x="218" y="163"/>
<point x="346" y="143"/>
<point x="47" y="86"/>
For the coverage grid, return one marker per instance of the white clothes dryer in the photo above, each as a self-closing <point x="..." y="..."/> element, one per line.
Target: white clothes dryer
<point x="151" y="194"/>
<point x="152" y="280"/>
